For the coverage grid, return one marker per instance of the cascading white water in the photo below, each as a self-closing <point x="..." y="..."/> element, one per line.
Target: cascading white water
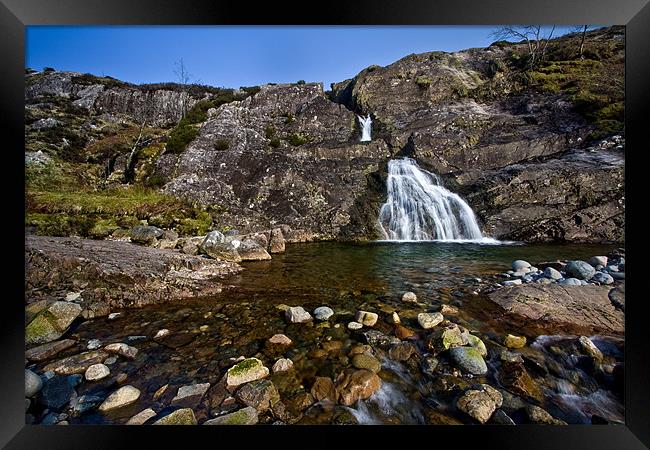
<point x="366" y="128"/>
<point x="419" y="208"/>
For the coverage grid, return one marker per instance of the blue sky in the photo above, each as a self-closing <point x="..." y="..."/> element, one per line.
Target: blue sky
<point x="234" y="56"/>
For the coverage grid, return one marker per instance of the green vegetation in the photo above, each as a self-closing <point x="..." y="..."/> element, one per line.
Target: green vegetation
<point x="423" y="81"/>
<point x="297" y="139"/>
<point x="60" y="202"/>
<point x="222" y="144"/>
<point x="275" y="142"/>
<point x="301" y="82"/>
<point x="591" y="86"/>
<point x="269" y="131"/>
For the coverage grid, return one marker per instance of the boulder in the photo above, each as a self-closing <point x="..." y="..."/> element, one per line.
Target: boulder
<point x="33" y="383"/>
<point x="276" y="243"/>
<point x="602" y="278"/>
<point x="512" y="341"/>
<point x="56" y="392"/>
<point x="122" y="349"/>
<point x="538" y="415"/>
<point x="514" y="377"/>
<point x="147" y="235"/>
<point x="77" y="364"/>
<point x="124" y="396"/>
<point x="598" y="261"/>
<point x="52" y="322"/>
<point x="580" y="270"/>
<point x="553" y="309"/>
<point x="478" y="344"/>
<point x="430" y="320"/>
<point x="218" y="247"/>
<point x="520" y="264"/>
<point x="245" y="416"/>
<point x="356" y="385"/>
<point x="480" y="403"/>
<point x="97" y="372"/>
<point x="401" y="351"/>
<point x="47" y="351"/>
<point x="366" y="318"/>
<point x="141" y="417"/>
<point x="190" y="395"/>
<point x="280" y="339"/>
<point x="368" y="362"/>
<point x="409" y="297"/>
<point x="184" y="416"/>
<point x="261" y="395"/>
<point x="251" y="250"/>
<point x="323" y="313"/>
<point x="469" y="360"/>
<point x="297" y="314"/>
<point x="444" y="338"/>
<point x="282" y="365"/>
<point x="552" y="274"/>
<point x="323" y="388"/>
<point x="591" y="349"/>
<point x="248" y="370"/>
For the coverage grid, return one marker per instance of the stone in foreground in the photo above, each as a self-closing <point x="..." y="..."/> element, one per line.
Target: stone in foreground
<point x="297" y="314"/>
<point x="124" y="396"/>
<point x="183" y="416"/>
<point x="245" y="416"/>
<point x="282" y="365"/>
<point x="512" y="341"/>
<point x="552" y="309"/>
<point x="469" y="360"/>
<point x="480" y="403"/>
<point x="430" y="320"/>
<point x="141" y="417"/>
<point x="366" y="318"/>
<point x="323" y="313"/>
<point x="409" y="297"/>
<point x="357" y="385"/>
<point x="97" y="372"/>
<point x="248" y="370"/>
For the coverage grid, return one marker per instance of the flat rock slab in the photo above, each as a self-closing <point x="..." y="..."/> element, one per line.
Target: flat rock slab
<point x="553" y="308"/>
<point x="118" y="274"/>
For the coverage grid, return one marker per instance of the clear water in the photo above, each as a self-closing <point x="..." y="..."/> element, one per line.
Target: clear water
<point x="346" y="277"/>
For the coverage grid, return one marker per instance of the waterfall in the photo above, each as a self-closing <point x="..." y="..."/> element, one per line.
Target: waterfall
<point x="366" y="123"/>
<point x="419" y="208"/>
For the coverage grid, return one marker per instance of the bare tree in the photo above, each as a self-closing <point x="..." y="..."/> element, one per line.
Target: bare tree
<point x="582" y="29"/>
<point x="534" y="37"/>
<point x="183" y="77"/>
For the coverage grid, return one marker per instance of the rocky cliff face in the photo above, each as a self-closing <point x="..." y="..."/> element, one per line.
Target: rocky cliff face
<point x="521" y="149"/>
<point x="291" y="157"/>
<point x="159" y="107"/>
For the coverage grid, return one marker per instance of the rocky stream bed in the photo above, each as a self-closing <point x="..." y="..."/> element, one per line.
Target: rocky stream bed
<point x="328" y="333"/>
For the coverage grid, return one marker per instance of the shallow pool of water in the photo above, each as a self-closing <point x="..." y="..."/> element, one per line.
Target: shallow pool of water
<point x="345" y="277"/>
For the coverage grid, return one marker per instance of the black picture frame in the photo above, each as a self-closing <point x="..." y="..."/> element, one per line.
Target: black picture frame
<point x="15" y="15"/>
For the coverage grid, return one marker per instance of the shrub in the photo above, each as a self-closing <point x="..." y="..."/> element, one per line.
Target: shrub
<point x="297" y="139"/>
<point x="181" y="136"/>
<point x="48" y="69"/>
<point x="155" y="181"/>
<point x="301" y="82"/>
<point x="222" y="144"/>
<point x="423" y="81"/>
<point x="275" y="142"/>
<point x="269" y="131"/>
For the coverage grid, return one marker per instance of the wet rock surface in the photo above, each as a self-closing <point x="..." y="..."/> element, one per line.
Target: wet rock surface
<point x="118" y="274"/>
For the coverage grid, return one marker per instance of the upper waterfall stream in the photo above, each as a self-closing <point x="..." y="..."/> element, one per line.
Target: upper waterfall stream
<point x="419" y="208"/>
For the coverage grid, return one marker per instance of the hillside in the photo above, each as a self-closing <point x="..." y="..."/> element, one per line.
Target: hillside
<point x="537" y="154"/>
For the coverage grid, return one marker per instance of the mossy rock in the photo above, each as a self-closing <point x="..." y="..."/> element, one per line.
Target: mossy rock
<point x="41" y="330"/>
<point x="245" y="416"/>
<point x="183" y="416"/>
